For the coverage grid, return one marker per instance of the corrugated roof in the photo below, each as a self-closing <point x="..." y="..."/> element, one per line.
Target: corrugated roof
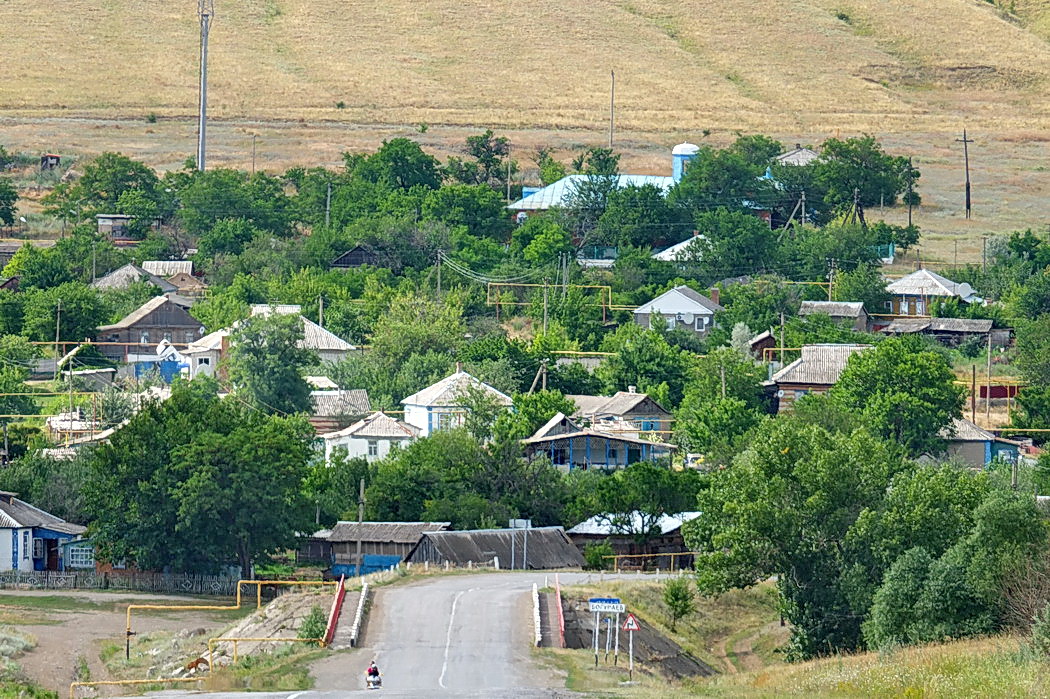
<point x="560" y="193"/>
<point x="449" y="391"/>
<point x="558" y="424"/>
<point x="318" y="339"/>
<point x="902" y="326"/>
<point x="604" y="525"/>
<point x="340" y="402"/>
<point x="123" y="277"/>
<point x="549" y="547"/>
<point x="209" y="343"/>
<point x="622" y="403"/>
<point x="963" y="430"/>
<point x="678" y="250"/>
<point x="167" y="268"/>
<point x="835" y="309"/>
<point x="380" y="532"/>
<point x="681" y="299"/>
<point x="15" y="513"/>
<point x="377" y="425"/>
<point x="926" y="283"/>
<point x="819" y="365"/>
<point x="598" y="434"/>
<point x="266" y="309"/>
<point x="797" y="156"/>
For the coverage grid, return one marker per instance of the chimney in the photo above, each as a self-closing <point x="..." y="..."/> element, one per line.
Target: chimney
<point x="632" y="389"/>
<point x="798" y="146"/>
<point x="459" y="367"/>
<point x="713" y="294"/>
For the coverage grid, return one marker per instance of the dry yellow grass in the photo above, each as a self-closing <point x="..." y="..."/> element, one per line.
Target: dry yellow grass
<point x="682" y="65"/>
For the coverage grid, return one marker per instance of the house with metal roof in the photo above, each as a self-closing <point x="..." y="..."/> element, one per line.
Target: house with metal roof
<point x="613" y="445"/>
<point x="912" y="295"/>
<point x="560" y="194"/>
<point x="851" y="312"/>
<point x="681" y="307"/>
<point x="336" y="408"/>
<point x="635" y="534"/>
<point x="441" y="406"/>
<point x="372" y="437"/>
<point x="167" y="268"/>
<point x="949" y="331"/>
<point x="689" y="250"/>
<point x="797" y="156"/>
<point x="157" y="320"/>
<point x="816" y="371"/>
<point x="31" y="539"/>
<point x="123" y="277"/>
<point x="639" y="410"/>
<point x="383" y="544"/>
<point x="978" y="447"/>
<point x="539" y="548"/>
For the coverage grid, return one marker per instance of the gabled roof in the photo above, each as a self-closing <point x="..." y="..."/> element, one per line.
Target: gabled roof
<point x="185" y="280"/>
<point x="926" y="283"/>
<point x="560" y="193"/>
<point x="903" y="326"/>
<point x="380" y="532"/>
<point x="601" y="525"/>
<point x="835" y="309"/>
<point x="678" y="250"/>
<point x="268" y="309"/>
<point x="819" y="365"/>
<point x="376" y="425"/>
<point x="340" y="402"/>
<point x="549" y="547"/>
<point x="167" y="268"/>
<point x="449" y="392"/>
<point x="622" y="403"/>
<point x="597" y="434"/>
<point x="123" y="277"/>
<point x="144" y="310"/>
<point x="681" y="299"/>
<point x="320" y="340"/>
<point x="212" y="342"/>
<point x="797" y="156"/>
<point x="962" y="430"/>
<point x="15" y="513"/>
<point x="559" y="424"/>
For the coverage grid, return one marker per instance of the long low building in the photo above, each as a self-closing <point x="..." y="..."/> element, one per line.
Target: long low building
<point x="383" y="544"/>
<point x="540" y="548"/>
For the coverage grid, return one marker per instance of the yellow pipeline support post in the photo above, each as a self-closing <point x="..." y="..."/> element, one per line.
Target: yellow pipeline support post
<point x="100" y="683"/>
<point x="128" y="633"/>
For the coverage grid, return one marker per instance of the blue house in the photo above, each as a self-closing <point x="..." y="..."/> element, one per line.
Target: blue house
<point x="31" y="539"/>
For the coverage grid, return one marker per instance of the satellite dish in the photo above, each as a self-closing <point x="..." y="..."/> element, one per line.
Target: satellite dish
<point x="686" y="318"/>
<point x="780" y="393"/>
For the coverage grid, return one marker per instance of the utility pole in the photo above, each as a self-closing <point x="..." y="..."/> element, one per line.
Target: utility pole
<point x="205" y="11"/>
<point x="722" y="374"/>
<point x="803" y="207"/>
<point x="253" y="153"/>
<point x="328" y="206"/>
<point x="93" y="256"/>
<point x="544" y="305"/>
<point x="966" y="159"/>
<point x="831" y="278"/>
<point x="508" y="178"/>
<point x="612" y="106"/>
<point x="360" y="524"/>
<point x="984" y="254"/>
<point x="988" y="388"/>
<point x="58" y="316"/>
<point x="439" y="274"/>
<point x="911" y="180"/>
<point x="320" y="311"/>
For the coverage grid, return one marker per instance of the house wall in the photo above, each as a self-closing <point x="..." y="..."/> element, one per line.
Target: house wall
<point x="169" y="322"/>
<point x="16" y="549"/>
<point x="594" y="452"/>
<point x="431" y="420"/>
<point x="358" y="446"/>
<point x="701" y="324"/>
<point x="203" y="363"/>
<point x="331" y="356"/>
<point x="418" y="416"/>
<point x="973" y="453"/>
<point x="789" y="393"/>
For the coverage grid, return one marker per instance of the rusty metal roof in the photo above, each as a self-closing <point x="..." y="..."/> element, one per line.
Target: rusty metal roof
<point x="548" y="547"/>
<point x="819" y="365"/>
<point x="380" y="532"/>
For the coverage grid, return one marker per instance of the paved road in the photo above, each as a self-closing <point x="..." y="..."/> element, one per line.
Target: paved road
<point x="457" y="635"/>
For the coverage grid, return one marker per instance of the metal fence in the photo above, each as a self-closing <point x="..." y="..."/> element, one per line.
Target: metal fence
<point x="138" y="582"/>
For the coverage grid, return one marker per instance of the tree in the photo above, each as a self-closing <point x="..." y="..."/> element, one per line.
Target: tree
<point x="728" y="178"/>
<point x="266" y="363"/>
<point x="640" y="216"/>
<point x="216" y="195"/>
<point x="643" y="358"/>
<point x="712" y="417"/>
<point x="419" y="322"/>
<point x="905" y="392"/>
<point x="893" y="610"/>
<point x="859" y="168"/>
<point x="478" y="208"/>
<point x="38" y="268"/>
<point x="679" y="598"/>
<point x="864" y="283"/>
<point x="100" y="187"/>
<point x="76" y="307"/>
<point x="550" y="169"/>
<point x="53" y="485"/>
<point x="488" y="167"/>
<point x="633" y="500"/>
<point x="399" y="163"/>
<point x="8" y="197"/>
<point x="732" y="244"/>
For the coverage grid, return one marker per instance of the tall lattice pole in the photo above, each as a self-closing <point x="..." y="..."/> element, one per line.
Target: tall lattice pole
<point x="205" y="10"/>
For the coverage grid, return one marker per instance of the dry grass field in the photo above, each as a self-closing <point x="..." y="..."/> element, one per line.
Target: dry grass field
<point x="83" y="77"/>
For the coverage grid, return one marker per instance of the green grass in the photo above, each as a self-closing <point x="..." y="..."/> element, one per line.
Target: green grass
<point x="287" y="669"/>
<point x="991" y="667"/>
<point x="51" y="603"/>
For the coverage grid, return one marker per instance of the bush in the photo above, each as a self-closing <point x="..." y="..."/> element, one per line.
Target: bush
<point x="314" y="625"/>
<point x="1041" y="631"/>
<point x="971" y="348"/>
<point x="595" y="554"/>
<point x="679" y="597"/>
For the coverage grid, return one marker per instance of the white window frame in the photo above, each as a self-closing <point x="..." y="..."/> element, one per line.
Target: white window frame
<point x="373" y="447"/>
<point x="82" y="556"/>
<point x="25" y="546"/>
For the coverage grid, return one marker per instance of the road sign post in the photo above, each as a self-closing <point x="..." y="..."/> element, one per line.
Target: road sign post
<point x="630" y="625"/>
<point x="597" y="622"/>
<point x="608" y="637"/>
<point x="604" y="605"/>
<point x="616" y="649"/>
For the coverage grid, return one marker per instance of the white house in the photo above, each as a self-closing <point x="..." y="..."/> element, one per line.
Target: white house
<point x="441" y="406"/>
<point x="373" y="437"/>
<point x="681" y="307"/>
<point x="31" y="539"/>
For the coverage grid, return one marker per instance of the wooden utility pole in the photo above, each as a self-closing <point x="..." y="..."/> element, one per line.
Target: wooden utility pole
<point x="253" y="153"/>
<point x="973" y="394"/>
<point x="360" y="524"/>
<point x="966" y="160"/>
<point x="612" y="106"/>
<point x="782" y="345"/>
<point x="988" y="387"/>
<point x="439" y="276"/>
<point x="58" y="316"/>
<point x="544" y="305"/>
<point x="910" y="182"/>
<point x="328" y="206"/>
<point x="320" y="311"/>
<point x="984" y="254"/>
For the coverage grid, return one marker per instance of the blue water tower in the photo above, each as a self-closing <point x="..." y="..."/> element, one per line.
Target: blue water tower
<point x="680" y="155"/>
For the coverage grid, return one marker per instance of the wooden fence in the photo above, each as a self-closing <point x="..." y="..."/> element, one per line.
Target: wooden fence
<point x="138" y="582"/>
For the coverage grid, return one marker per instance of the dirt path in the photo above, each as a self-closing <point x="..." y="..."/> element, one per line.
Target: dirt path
<point x="64" y="635"/>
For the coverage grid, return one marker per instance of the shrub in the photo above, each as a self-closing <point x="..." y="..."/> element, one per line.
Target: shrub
<point x="595" y="554"/>
<point x="151" y="118"/>
<point x="340" y="105"/>
<point x="314" y="625"/>
<point x="971" y="348"/>
<point x="1041" y="631"/>
<point x="679" y="597"/>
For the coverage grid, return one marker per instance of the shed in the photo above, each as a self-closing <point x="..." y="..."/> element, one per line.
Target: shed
<point x="851" y="312"/>
<point x="547" y="548"/>
<point x="619" y="532"/>
<point x="949" y="331"/>
<point x="383" y="544"/>
<point x="976" y="446"/>
<point x="49" y="161"/>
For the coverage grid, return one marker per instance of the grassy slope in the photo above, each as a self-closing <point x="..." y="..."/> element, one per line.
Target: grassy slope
<point x="992" y="667"/>
<point x="682" y="64"/>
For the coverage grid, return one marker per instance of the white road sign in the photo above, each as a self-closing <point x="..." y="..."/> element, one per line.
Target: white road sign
<point x="607" y="605"/>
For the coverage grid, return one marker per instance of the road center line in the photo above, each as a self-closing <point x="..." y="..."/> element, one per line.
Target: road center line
<point x="448" y="638"/>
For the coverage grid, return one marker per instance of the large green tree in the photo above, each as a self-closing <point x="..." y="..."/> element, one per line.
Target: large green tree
<point x="266" y="363"/>
<point x="76" y="308"/>
<point x="904" y="390"/>
<point x="858" y="170"/>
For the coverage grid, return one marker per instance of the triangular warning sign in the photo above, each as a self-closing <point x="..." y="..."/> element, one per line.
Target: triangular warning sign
<point x="631" y="623"/>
